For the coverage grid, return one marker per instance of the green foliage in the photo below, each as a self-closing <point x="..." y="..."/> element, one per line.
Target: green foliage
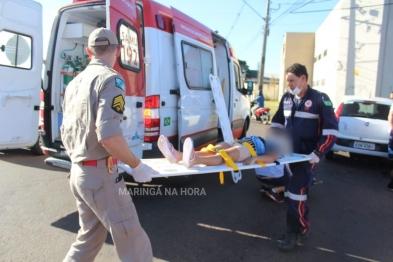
<point x="245" y="68"/>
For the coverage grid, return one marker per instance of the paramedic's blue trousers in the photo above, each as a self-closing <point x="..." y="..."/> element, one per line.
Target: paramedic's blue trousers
<point x="298" y="178"/>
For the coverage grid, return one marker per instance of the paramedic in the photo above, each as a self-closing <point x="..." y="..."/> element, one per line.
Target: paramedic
<point x="93" y="109"/>
<point x="259" y="102"/>
<point x="309" y="117"/>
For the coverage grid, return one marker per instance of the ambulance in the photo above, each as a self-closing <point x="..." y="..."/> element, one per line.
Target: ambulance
<point x="166" y="59"/>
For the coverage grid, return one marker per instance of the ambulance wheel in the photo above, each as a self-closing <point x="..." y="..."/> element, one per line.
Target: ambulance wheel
<point x="245" y="129"/>
<point x="329" y="155"/>
<point x="265" y="119"/>
<point x="36" y="149"/>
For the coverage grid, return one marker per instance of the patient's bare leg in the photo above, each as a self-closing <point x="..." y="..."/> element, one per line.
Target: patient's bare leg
<point x="214" y="160"/>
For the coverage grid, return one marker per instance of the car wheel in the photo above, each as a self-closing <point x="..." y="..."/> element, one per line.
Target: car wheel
<point x="265" y="119"/>
<point x="329" y="155"/>
<point x="36" y="149"/>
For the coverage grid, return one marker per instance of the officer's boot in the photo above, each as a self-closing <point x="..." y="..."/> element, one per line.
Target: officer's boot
<point x="291" y="237"/>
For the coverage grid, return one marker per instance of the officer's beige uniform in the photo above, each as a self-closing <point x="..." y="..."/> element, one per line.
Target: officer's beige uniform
<point x="93" y="109"/>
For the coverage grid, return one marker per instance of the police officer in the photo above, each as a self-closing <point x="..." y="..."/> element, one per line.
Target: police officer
<point x="309" y="117"/>
<point x="93" y="109"/>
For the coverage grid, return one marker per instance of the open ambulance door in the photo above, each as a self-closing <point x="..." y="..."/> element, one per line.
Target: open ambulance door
<point x="194" y="51"/>
<point x="20" y="70"/>
<point x="125" y="22"/>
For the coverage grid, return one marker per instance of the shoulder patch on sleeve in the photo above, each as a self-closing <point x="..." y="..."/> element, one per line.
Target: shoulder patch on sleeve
<point x="326" y="102"/>
<point x="120" y="83"/>
<point x="118" y="104"/>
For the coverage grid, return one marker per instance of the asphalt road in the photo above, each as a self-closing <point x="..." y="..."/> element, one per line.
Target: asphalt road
<point x="351" y="215"/>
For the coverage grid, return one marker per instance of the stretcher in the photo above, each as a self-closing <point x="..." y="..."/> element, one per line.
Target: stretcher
<point x="166" y="169"/>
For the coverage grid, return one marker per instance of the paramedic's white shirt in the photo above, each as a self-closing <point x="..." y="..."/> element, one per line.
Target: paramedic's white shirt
<point x="270" y="171"/>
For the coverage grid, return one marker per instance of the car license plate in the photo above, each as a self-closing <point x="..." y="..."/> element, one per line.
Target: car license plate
<point x="363" y="145"/>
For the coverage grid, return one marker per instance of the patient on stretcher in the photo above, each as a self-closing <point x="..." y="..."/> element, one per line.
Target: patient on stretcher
<point x="248" y="150"/>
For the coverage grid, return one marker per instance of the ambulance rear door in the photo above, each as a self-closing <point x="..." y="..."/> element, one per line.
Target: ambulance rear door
<point x="194" y="51"/>
<point x="125" y="21"/>
<point x="20" y="70"/>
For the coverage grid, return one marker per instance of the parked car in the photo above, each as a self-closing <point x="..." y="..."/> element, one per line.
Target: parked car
<point x="363" y="126"/>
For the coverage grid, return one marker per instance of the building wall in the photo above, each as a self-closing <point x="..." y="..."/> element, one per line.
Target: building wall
<point x="359" y="41"/>
<point x="385" y="68"/>
<point x="326" y="55"/>
<point x="352" y="53"/>
<point x="297" y="48"/>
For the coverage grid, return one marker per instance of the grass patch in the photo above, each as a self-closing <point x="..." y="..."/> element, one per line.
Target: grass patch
<point x="273" y="105"/>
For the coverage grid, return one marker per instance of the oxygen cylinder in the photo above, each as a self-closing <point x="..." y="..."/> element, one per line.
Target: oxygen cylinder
<point x="78" y="65"/>
<point x="67" y="72"/>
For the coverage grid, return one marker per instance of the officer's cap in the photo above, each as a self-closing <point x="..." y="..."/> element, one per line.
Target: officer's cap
<point x="102" y="37"/>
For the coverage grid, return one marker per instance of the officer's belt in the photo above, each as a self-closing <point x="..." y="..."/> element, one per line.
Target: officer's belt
<point x="108" y="161"/>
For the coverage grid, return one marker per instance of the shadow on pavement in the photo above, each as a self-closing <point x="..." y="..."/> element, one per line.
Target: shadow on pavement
<point x="71" y="223"/>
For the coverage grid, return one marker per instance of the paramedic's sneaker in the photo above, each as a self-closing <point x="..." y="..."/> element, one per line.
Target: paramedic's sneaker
<point x="274" y="195"/>
<point x="390" y="186"/>
<point x="263" y="189"/>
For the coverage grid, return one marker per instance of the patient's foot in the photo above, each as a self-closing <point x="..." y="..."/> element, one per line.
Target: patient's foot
<point x="188" y="153"/>
<point x="167" y="149"/>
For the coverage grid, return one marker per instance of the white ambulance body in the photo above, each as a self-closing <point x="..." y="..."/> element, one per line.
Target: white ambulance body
<point x="166" y="61"/>
<point x="20" y="71"/>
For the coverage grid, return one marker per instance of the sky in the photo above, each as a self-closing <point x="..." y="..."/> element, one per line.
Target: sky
<point x="241" y="22"/>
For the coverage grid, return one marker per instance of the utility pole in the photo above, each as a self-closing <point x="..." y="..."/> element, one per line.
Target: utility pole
<point x="266" y="32"/>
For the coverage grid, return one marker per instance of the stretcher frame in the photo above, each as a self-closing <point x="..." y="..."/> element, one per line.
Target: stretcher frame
<point x="166" y="169"/>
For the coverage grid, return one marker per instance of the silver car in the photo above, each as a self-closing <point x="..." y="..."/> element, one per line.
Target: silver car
<point x="363" y="126"/>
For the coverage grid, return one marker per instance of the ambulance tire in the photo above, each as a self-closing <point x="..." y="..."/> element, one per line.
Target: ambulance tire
<point x="329" y="155"/>
<point x="245" y="128"/>
<point x="36" y="149"/>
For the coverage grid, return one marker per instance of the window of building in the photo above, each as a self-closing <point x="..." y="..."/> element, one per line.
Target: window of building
<point x="15" y="50"/>
<point x="325" y="53"/>
<point x="129" y="56"/>
<point x="319" y="57"/>
<point x="322" y="82"/>
<point x="198" y="65"/>
<point x="315" y="59"/>
<point x="317" y="84"/>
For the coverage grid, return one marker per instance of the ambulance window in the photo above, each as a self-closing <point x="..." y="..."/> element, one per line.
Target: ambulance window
<point x="198" y="65"/>
<point x="15" y="50"/>
<point x="129" y="56"/>
<point x="237" y="77"/>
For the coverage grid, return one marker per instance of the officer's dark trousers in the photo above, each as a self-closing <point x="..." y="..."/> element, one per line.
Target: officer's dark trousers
<point x="298" y="178"/>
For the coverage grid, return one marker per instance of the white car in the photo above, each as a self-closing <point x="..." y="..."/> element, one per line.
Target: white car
<point x="363" y="126"/>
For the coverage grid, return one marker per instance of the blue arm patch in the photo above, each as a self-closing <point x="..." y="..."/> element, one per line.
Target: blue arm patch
<point x="120" y="83"/>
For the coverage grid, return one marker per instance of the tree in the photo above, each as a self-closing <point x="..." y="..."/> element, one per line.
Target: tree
<point x="245" y="68"/>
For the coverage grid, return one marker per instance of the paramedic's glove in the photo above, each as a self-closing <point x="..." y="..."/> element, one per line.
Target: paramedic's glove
<point x="142" y="173"/>
<point x="314" y="158"/>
